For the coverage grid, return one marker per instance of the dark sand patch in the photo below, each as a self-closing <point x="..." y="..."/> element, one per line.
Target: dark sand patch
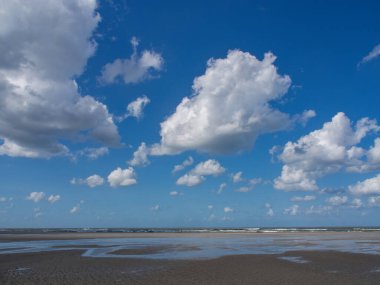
<point x="154" y="249"/>
<point x="69" y="267"/>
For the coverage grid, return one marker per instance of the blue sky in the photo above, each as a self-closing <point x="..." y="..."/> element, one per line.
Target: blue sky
<point x="268" y="110"/>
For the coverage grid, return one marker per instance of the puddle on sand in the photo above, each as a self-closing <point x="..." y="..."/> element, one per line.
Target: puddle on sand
<point x="295" y="259"/>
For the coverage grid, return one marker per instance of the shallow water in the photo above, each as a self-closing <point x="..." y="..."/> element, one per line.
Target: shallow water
<point x="201" y="247"/>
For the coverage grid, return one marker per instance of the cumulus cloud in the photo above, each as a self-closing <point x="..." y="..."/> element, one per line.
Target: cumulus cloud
<point x="237" y="177"/>
<point x="337" y="200"/>
<point x="197" y="175"/>
<point x="292" y="211"/>
<point x="140" y="156"/>
<point x="329" y="149"/>
<point x="75" y="209"/>
<point x="374" y="201"/>
<point x="175" y="193"/>
<point x="356" y="203"/>
<point x="135" y="69"/>
<point x="135" y="108"/>
<point x="372" y="55"/>
<point x="122" y="177"/>
<point x="229" y="108"/>
<point x="40" y="104"/>
<point x="36" y="196"/>
<point x="228" y="209"/>
<point x="53" y="198"/>
<point x="187" y="162"/>
<point x="304" y="118"/>
<point x="306" y="198"/>
<point x="91" y="181"/>
<point x="190" y="180"/>
<point x="366" y="187"/>
<point x="208" y="167"/>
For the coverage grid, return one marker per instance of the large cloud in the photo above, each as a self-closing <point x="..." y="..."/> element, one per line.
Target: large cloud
<point x="43" y="46"/>
<point x="332" y="148"/>
<point x="368" y="186"/>
<point x="229" y="108"/>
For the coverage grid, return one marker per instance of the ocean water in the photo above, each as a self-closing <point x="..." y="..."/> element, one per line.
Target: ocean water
<point x="208" y="246"/>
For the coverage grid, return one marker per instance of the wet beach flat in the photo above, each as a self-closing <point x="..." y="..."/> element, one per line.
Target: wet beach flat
<point x="198" y="258"/>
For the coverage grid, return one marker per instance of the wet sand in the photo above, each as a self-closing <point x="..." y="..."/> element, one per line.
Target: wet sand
<point x="69" y="267"/>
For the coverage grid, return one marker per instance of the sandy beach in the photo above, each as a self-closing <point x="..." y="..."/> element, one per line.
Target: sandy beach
<point x="69" y="266"/>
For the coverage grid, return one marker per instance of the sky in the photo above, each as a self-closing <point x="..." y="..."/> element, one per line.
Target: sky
<point x="189" y="113"/>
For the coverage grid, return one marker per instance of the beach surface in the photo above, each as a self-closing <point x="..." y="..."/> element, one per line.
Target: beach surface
<point x="67" y="264"/>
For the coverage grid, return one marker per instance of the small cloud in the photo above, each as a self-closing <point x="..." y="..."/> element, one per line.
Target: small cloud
<point x="337" y="200"/>
<point x="53" y="198"/>
<point x="304" y="118"/>
<point x="189" y="161"/>
<point x="228" y="209"/>
<point x="140" y="156"/>
<point x="75" y="209"/>
<point x="175" y="193"/>
<point x="270" y="212"/>
<point x="190" y="180"/>
<point x="372" y="55"/>
<point x="210" y="207"/>
<point x="237" y="177"/>
<point x="91" y="181"/>
<point x="122" y="177"/>
<point x="292" y="211"/>
<point x="91" y="153"/>
<point x="135" y="109"/>
<point x="221" y="188"/>
<point x="36" y="196"/>
<point x="374" y="201"/>
<point x="244" y="189"/>
<point x="306" y="198"/>
<point x="155" y="208"/>
<point x="135" y="69"/>
<point x="356" y="203"/>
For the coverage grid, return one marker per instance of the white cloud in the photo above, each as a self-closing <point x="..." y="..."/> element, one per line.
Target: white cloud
<point x="292" y="211"/>
<point x="306" y="198"/>
<point x="337" y="200"/>
<point x="91" y="181"/>
<point x="228" y="209"/>
<point x="53" y="198"/>
<point x="210" y="207"/>
<point x="356" y="203"/>
<point x="75" y="209"/>
<point x="92" y="153"/>
<point x="94" y="180"/>
<point x="140" y="156"/>
<point x="208" y="167"/>
<point x="229" y="108"/>
<point x="366" y="187"/>
<point x="36" y="196"/>
<point x="373" y="54"/>
<point x="319" y="210"/>
<point x="122" y="177"/>
<point x="244" y="189"/>
<point x="373" y="153"/>
<point x="190" y="180"/>
<point x="175" y="193"/>
<point x="187" y="162"/>
<point x="327" y="150"/>
<point x="137" y="68"/>
<point x="374" y="201"/>
<point x="270" y="212"/>
<point x="221" y="188"/>
<point x="237" y="177"/>
<point x="304" y="118"/>
<point x="197" y="175"/>
<point x="40" y="103"/>
<point x="135" y="108"/>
